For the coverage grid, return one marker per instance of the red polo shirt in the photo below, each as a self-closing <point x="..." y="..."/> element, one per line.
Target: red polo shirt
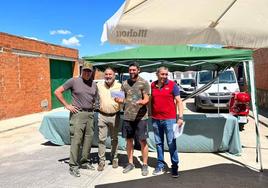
<point x="163" y="104"/>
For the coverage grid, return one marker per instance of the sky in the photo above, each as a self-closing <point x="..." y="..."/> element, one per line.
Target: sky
<point x="71" y="23"/>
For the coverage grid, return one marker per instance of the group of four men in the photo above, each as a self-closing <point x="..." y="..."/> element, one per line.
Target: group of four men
<point x="87" y="97"/>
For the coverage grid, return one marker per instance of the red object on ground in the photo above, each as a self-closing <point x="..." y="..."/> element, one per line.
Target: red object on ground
<point x="239" y="104"/>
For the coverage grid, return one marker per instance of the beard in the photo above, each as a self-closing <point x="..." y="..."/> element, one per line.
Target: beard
<point x="109" y="81"/>
<point x="134" y="76"/>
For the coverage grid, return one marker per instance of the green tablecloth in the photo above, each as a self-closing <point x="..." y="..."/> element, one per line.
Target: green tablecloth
<point x="202" y="133"/>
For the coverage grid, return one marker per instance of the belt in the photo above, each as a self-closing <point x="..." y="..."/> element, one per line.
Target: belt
<point x="108" y="114"/>
<point x="85" y="110"/>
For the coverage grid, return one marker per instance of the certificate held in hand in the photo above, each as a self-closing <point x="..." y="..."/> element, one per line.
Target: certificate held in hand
<point x="118" y="94"/>
<point x="178" y="130"/>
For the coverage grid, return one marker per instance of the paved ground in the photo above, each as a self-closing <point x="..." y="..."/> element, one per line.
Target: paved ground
<point x="28" y="160"/>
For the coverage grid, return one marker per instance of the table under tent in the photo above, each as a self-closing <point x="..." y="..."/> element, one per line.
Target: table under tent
<point x="184" y="58"/>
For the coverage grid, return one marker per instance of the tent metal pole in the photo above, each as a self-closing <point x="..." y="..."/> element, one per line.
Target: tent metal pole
<point x="215" y="23"/>
<point x="255" y="112"/>
<point x="218" y="96"/>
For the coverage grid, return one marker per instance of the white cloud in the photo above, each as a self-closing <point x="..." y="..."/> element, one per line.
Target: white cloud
<point x="60" y="32"/>
<point x="34" y="38"/>
<point x="73" y="41"/>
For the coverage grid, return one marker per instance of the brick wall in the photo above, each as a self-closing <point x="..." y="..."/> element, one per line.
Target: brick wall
<point x="261" y="76"/>
<point x="24" y="83"/>
<point x="15" y="42"/>
<point x="25" y="80"/>
<point x="261" y="68"/>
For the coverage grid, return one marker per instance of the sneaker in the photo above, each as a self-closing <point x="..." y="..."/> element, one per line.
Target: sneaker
<point x="158" y="171"/>
<point x="101" y="166"/>
<point x="74" y="172"/>
<point x="128" y="168"/>
<point x="88" y="166"/>
<point x="144" y="170"/>
<point x="115" y="163"/>
<point x="175" y="173"/>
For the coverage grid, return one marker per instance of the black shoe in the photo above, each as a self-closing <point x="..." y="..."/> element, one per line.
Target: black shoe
<point x="128" y="168"/>
<point x="144" y="170"/>
<point x="74" y="172"/>
<point x="88" y="166"/>
<point x="175" y="173"/>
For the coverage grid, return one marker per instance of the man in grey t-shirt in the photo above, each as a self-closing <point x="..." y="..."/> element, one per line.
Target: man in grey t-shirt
<point x="84" y="93"/>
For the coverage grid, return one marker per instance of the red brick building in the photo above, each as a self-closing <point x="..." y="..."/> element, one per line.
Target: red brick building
<point x="261" y="76"/>
<point x="30" y="70"/>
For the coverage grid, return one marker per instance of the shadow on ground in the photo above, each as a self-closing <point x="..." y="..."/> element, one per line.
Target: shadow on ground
<point x="222" y="175"/>
<point x="123" y="160"/>
<point x="263" y="112"/>
<point x="48" y="143"/>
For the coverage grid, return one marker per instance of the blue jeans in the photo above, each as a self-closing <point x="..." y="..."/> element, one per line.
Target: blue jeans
<point x="160" y="127"/>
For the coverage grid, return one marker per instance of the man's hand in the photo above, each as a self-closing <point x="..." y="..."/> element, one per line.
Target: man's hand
<point x="140" y="102"/>
<point x="180" y="122"/>
<point x="71" y="108"/>
<point x="119" y="100"/>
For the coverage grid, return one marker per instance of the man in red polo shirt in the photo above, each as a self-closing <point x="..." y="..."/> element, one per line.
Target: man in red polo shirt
<point x="165" y="100"/>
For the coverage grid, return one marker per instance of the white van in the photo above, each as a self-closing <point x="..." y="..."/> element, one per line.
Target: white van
<point x="209" y="98"/>
<point x="149" y="77"/>
<point x="186" y="86"/>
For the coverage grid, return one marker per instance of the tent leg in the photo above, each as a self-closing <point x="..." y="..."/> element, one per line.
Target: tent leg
<point x="255" y="112"/>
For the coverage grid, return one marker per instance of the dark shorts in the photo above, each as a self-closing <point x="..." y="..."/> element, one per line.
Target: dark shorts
<point x="135" y="129"/>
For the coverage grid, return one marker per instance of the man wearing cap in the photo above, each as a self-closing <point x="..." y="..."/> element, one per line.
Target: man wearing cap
<point x="84" y="93"/>
<point x="109" y="117"/>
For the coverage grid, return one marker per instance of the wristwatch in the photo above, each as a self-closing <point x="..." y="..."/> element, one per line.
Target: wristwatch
<point x="180" y="118"/>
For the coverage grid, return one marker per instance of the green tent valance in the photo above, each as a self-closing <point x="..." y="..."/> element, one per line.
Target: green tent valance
<point x="176" y="58"/>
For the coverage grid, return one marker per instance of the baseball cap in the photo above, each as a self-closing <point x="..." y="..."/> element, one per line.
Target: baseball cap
<point x="87" y="65"/>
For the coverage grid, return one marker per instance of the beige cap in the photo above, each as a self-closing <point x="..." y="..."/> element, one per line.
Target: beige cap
<point x="87" y="65"/>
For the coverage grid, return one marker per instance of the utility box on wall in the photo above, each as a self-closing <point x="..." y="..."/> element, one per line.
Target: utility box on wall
<point x="25" y="74"/>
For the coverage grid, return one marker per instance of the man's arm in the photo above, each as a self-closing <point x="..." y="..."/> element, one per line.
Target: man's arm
<point x="145" y="92"/>
<point x="179" y="106"/>
<point x="58" y="93"/>
<point x="145" y="100"/>
<point x="97" y="100"/>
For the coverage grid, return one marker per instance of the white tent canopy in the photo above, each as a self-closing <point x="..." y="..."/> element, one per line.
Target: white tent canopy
<point x="235" y="23"/>
<point x="240" y="23"/>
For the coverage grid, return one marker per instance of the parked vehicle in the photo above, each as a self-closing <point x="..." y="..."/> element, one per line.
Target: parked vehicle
<point x="122" y="77"/>
<point x="219" y="94"/>
<point x="186" y="86"/>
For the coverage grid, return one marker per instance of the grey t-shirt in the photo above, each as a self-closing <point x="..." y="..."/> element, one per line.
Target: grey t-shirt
<point x="84" y="93"/>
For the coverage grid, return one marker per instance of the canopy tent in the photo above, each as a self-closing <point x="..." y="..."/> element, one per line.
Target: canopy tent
<point x="184" y="58"/>
<point x="176" y="58"/>
<point x="239" y="23"/>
